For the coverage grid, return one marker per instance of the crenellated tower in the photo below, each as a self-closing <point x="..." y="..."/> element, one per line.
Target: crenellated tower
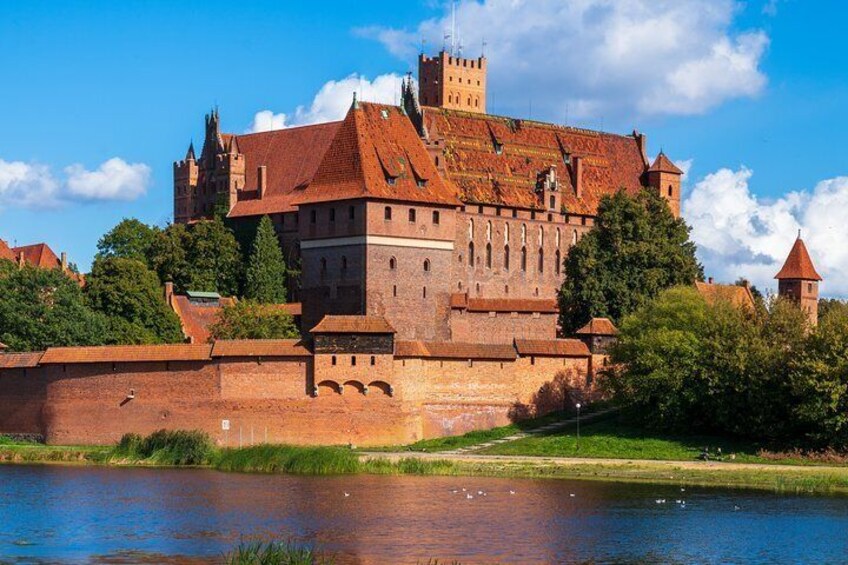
<point x="186" y="174"/>
<point x="448" y="81"/>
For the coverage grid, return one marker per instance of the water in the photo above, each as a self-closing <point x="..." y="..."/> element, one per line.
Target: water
<point x="54" y="514"/>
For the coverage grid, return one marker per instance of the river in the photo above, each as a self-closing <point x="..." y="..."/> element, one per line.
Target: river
<point x="67" y="514"/>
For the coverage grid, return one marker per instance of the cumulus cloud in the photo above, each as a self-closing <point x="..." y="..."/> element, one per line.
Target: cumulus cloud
<point x="740" y="234"/>
<point x="115" y="179"/>
<point x="34" y="185"/>
<point x="332" y="102"/>
<point x="594" y="58"/>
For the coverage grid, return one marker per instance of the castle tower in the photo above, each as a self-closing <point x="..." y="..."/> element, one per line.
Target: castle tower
<point x="447" y="81"/>
<point x="186" y="174"/>
<point x="798" y="280"/>
<point x="664" y="177"/>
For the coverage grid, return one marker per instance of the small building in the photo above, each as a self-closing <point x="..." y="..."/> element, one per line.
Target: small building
<point x="798" y="280"/>
<point x="598" y="335"/>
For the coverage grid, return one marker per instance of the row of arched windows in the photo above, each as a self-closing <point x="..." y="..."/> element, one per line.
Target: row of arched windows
<point x="393" y="264"/>
<point x="506" y="258"/>
<point x="541" y="234"/>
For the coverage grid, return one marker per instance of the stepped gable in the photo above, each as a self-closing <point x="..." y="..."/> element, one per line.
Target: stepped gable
<point x="377" y="154"/>
<point x="6" y="251"/>
<point x="291" y="157"/>
<point x="798" y="265"/>
<point x="609" y="162"/>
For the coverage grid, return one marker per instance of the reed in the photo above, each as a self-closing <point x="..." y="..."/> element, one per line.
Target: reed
<point x="274" y="553"/>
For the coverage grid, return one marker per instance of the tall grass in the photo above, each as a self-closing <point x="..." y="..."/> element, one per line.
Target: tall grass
<point x="166" y="447"/>
<point x="274" y="553"/>
<point x="289" y="459"/>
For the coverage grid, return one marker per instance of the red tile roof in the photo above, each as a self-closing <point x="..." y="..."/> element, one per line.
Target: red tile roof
<point x="353" y="324"/>
<point x="552" y="348"/>
<point x="376" y="142"/>
<point x="610" y="162"/>
<point x="798" y="265"/>
<point x="735" y="294"/>
<point x="126" y="353"/>
<point x="544" y="306"/>
<point x="663" y="164"/>
<point x="260" y="348"/>
<point x="598" y="326"/>
<point x="291" y="157"/>
<point x="20" y="360"/>
<point x="197" y="317"/>
<point x="6" y="251"/>
<point x="38" y="255"/>
<point x="452" y="350"/>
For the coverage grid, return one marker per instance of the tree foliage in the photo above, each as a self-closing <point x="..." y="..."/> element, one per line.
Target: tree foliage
<point x="247" y="319"/>
<point x="130" y="239"/>
<point x="683" y="364"/>
<point x="636" y="249"/>
<point x="125" y="288"/>
<point x="265" y="277"/>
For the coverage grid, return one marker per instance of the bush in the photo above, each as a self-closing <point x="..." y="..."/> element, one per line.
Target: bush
<point x="168" y="447"/>
<point x="273" y="553"/>
<point x="290" y="459"/>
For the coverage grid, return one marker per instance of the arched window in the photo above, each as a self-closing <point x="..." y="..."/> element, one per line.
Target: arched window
<point x="574" y="237"/>
<point x="506" y="233"/>
<point x="506" y="257"/>
<point x="488" y="255"/>
<point x="471" y="254"/>
<point x="426" y="265"/>
<point x="541" y="236"/>
<point x="523" y="258"/>
<point x="488" y="231"/>
<point x="478" y="288"/>
<point x="470" y="229"/>
<point x="523" y="234"/>
<point x="553" y="202"/>
<point x="558" y="237"/>
<point x="392" y="264"/>
<point x="558" y="262"/>
<point x="387" y="213"/>
<point x="541" y="260"/>
<point x="425" y="292"/>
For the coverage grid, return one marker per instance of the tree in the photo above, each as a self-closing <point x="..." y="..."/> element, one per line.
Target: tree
<point x="130" y="239"/>
<point x="636" y="249"/>
<point x="125" y="288"/>
<point x="249" y="320"/>
<point x="265" y="277"/>
<point x="42" y="308"/>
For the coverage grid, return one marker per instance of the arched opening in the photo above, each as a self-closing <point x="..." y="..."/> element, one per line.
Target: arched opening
<point x="331" y="387"/>
<point x="357" y="386"/>
<point x="344" y="263"/>
<point x="323" y="265"/>
<point x="426" y="265"/>
<point x="541" y="260"/>
<point x="523" y="258"/>
<point x="506" y="257"/>
<point x="471" y="254"/>
<point x="387" y="213"/>
<point x="488" y="255"/>
<point x="382" y="387"/>
<point x="392" y="264"/>
<point x="558" y="264"/>
<point x="574" y="238"/>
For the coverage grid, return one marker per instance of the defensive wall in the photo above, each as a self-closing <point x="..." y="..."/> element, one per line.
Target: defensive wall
<point x="248" y="392"/>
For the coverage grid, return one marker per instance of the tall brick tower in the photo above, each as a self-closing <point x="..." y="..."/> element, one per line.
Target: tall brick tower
<point x="664" y="176"/>
<point x="798" y="280"/>
<point x="186" y="173"/>
<point x="448" y="81"/>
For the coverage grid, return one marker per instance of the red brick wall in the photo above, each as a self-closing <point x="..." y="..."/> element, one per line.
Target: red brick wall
<point x="21" y="401"/>
<point x="501" y="327"/>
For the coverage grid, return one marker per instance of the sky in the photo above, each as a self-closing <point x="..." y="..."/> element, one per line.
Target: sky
<point x="749" y="98"/>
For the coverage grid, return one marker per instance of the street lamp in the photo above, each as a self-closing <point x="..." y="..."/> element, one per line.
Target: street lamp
<point x="578" y="426"/>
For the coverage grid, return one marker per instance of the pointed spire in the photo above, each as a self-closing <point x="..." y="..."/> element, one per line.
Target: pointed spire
<point x="663" y="164"/>
<point x="798" y="265"/>
<point x="190" y="153"/>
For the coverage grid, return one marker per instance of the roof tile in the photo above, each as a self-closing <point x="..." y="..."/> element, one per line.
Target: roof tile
<point x="552" y="347"/>
<point x="452" y="350"/>
<point x="332" y="324"/>
<point x="126" y="353"/>
<point x="598" y="326"/>
<point x="260" y="348"/>
<point x="798" y="264"/>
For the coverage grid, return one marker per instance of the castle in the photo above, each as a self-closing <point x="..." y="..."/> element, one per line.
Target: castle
<point x="448" y="222"/>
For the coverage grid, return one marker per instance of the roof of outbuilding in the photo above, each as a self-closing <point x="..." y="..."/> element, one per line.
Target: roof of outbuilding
<point x="552" y="347"/>
<point x="452" y="350"/>
<point x="260" y="348"/>
<point x="6" y="251"/>
<point x="333" y="324"/>
<point x="377" y="144"/>
<point x="126" y="353"/>
<point x="483" y="175"/>
<point x="735" y="294"/>
<point x="598" y="326"/>
<point x="20" y="360"/>
<point x="798" y="264"/>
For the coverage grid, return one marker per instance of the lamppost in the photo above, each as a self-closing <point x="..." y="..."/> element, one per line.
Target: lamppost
<point x="578" y="426"/>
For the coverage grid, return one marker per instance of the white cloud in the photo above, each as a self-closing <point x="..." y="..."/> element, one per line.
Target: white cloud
<point x="739" y="234"/>
<point x="596" y="58"/>
<point x="332" y="102"/>
<point x="115" y="179"/>
<point x="33" y="185"/>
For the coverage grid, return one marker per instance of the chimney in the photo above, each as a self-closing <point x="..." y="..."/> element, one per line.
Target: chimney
<point x="64" y="259"/>
<point x="169" y="293"/>
<point x="577" y="174"/>
<point x="262" y="175"/>
<point x="642" y="143"/>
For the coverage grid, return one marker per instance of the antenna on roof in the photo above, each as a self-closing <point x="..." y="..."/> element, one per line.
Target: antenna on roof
<point x="799" y="233"/>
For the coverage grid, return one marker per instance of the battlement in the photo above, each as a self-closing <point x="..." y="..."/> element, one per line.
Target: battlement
<point x="448" y="81"/>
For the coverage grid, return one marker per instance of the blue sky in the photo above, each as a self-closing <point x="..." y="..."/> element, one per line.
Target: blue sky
<point x="760" y="128"/>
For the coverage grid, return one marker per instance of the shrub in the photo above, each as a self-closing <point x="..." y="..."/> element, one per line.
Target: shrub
<point x="168" y="447"/>
<point x="274" y="553"/>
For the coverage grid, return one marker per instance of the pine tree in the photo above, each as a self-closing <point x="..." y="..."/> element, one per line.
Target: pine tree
<point x="266" y="269"/>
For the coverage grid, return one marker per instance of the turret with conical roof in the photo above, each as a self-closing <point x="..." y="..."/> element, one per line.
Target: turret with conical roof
<point x="798" y="280"/>
<point x="664" y="176"/>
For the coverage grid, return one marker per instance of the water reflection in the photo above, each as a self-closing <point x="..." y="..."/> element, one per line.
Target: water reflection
<point x="117" y="516"/>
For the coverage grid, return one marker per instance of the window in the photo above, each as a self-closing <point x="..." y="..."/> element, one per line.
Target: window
<point x="426" y="265"/>
<point x="471" y="254"/>
<point x="392" y="264"/>
<point x="583" y="220"/>
<point x="344" y="263"/>
<point x="523" y="258"/>
<point x="387" y="213"/>
<point x="523" y="234"/>
<point x="558" y="261"/>
<point x="333" y="360"/>
<point x="488" y="231"/>
<point x="670" y="191"/>
<point x="351" y="213"/>
<point x="332" y="214"/>
<point x="470" y="229"/>
<point x="558" y="237"/>
<point x="809" y="287"/>
<point x="313" y="216"/>
<point x="541" y="236"/>
<point x="541" y="260"/>
<point x="436" y="217"/>
<point x="353" y="361"/>
<point x="323" y="265"/>
<point x="574" y="237"/>
<point x="498" y="148"/>
<point x="553" y="202"/>
<point x="424" y="295"/>
<point x="506" y="289"/>
<point x="480" y="209"/>
<point x="373" y="360"/>
<point x="514" y="213"/>
<point x="394" y="291"/>
<point x="421" y="183"/>
<point x="506" y="257"/>
<point x="488" y="255"/>
<point x="390" y="180"/>
<point x="412" y="215"/>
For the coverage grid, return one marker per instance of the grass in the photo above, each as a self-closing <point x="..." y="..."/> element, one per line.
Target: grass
<point x="274" y="553"/>
<point x="165" y="447"/>
<point x="289" y="459"/>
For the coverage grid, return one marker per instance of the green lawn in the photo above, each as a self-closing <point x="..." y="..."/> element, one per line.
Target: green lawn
<point x="611" y="438"/>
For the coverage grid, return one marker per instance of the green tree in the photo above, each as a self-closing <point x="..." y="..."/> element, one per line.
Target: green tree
<point x="130" y="239"/>
<point x="636" y="249"/>
<point x="42" y="308"/>
<point x="127" y="289"/>
<point x="265" y="277"/>
<point x="169" y="256"/>
<point x="250" y="320"/>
